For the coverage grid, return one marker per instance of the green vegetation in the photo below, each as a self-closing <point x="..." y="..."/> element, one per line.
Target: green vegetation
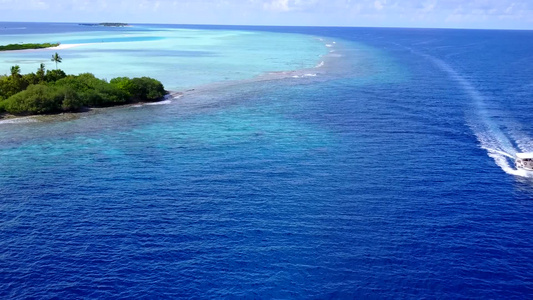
<point x="57" y="59"/>
<point x="53" y="91"/>
<point x="27" y="46"/>
<point x="114" y="24"/>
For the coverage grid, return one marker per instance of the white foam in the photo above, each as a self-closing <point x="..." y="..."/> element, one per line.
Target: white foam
<point x="321" y="64"/>
<point x="30" y="119"/>
<point x="304" y="75"/>
<point x="494" y="151"/>
<point x="523" y="141"/>
<point x="503" y="163"/>
<point x="490" y="136"/>
<point x="329" y="45"/>
<point x="164" y="102"/>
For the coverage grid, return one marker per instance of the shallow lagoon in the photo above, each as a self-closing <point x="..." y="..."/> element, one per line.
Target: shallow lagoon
<point x="180" y="58"/>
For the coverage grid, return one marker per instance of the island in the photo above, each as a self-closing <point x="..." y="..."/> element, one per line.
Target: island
<point x="53" y="91"/>
<point x="105" y="24"/>
<point x="12" y="47"/>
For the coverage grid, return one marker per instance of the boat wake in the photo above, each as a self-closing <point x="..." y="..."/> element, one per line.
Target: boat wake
<point x="501" y="145"/>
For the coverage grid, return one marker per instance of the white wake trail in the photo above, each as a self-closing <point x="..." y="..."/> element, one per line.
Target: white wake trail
<point x="523" y="141"/>
<point x="490" y="136"/>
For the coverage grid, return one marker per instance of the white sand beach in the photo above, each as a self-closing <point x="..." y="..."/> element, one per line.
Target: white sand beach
<point x="64" y="46"/>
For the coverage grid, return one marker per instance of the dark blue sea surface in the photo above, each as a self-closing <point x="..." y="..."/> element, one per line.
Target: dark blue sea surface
<point x="388" y="179"/>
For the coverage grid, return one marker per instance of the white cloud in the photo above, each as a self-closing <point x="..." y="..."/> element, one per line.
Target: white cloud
<point x="24" y="5"/>
<point x="407" y="13"/>
<point x="378" y="5"/>
<point x="429" y="6"/>
<point x="277" y="5"/>
<point x="288" y="5"/>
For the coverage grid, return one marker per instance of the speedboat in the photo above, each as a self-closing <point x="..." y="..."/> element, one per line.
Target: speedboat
<point x="524" y="161"/>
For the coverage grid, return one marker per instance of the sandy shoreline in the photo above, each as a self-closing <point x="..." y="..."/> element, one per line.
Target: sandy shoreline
<point x="60" y="47"/>
<point x="64" y="46"/>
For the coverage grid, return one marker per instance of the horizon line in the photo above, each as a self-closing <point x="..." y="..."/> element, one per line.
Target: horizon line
<point x="267" y="25"/>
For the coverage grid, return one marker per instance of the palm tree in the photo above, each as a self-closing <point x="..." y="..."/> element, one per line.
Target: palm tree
<point x="41" y="72"/>
<point x="56" y="58"/>
<point x="15" y="71"/>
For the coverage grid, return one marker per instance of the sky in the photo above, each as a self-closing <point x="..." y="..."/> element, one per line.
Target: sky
<point x="483" y="14"/>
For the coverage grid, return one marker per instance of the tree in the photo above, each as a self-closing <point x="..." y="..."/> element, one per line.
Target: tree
<point x="15" y="71"/>
<point x="36" y="99"/>
<point x="54" y="75"/>
<point x="57" y="59"/>
<point x="16" y="82"/>
<point x="41" y="72"/>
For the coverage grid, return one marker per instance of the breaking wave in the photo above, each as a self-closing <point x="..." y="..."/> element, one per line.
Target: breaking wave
<point x="164" y="102"/>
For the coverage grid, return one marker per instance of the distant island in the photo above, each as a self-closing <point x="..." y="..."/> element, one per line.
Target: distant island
<point x="12" y="47"/>
<point x="105" y="24"/>
<point x="53" y="91"/>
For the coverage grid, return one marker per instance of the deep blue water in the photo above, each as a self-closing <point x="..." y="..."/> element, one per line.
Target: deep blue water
<point x="373" y="183"/>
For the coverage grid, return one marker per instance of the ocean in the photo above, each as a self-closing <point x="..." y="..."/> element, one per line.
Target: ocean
<point x="299" y="163"/>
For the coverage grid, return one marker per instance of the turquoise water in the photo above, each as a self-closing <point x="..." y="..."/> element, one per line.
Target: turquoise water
<point x="380" y="173"/>
<point x="180" y="58"/>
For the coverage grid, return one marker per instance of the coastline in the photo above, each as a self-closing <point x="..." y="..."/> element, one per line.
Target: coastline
<point x="64" y="116"/>
<point x="326" y="64"/>
<point x="60" y="47"/>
